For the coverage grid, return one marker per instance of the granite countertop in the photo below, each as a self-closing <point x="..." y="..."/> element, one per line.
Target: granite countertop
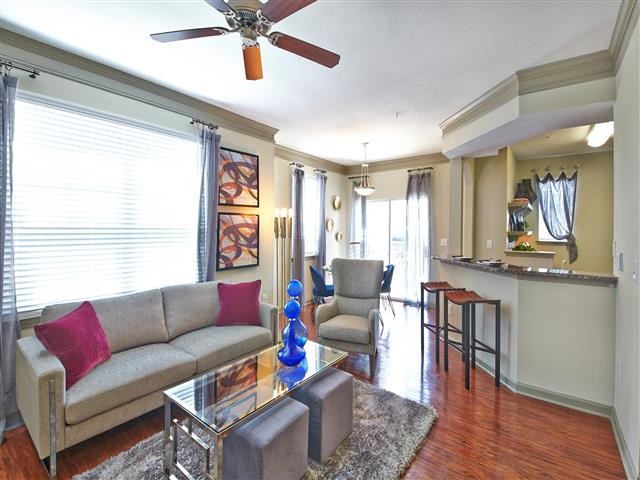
<point x="542" y="273"/>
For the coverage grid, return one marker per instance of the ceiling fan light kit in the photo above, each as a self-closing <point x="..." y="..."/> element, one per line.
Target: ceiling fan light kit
<point x="252" y="19"/>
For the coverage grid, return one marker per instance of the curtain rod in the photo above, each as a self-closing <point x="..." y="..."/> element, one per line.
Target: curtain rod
<point x="319" y="170"/>
<point x="411" y="170"/>
<point x="562" y="167"/>
<point x="197" y="121"/>
<point x="296" y="165"/>
<point x="9" y="65"/>
<point x="358" y="176"/>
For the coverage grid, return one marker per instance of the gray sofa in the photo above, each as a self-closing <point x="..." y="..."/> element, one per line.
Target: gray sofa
<point x="158" y="338"/>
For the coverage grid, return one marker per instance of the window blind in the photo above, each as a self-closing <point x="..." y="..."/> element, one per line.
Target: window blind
<point x="101" y="207"/>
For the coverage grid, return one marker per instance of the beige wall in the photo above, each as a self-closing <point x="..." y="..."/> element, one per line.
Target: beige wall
<point x="490" y="206"/>
<point x="593" y="226"/>
<point x="626" y="228"/>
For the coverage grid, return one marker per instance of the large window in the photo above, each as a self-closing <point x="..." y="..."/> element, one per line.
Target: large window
<point x="101" y="206"/>
<point x="311" y="207"/>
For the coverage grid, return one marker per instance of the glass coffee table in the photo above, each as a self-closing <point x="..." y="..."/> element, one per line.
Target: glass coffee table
<point x="224" y="398"/>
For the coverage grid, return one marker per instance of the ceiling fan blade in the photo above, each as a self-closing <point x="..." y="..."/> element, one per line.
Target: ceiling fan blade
<point x="221" y="6"/>
<point x="276" y="10"/>
<point x="190" y="33"/>
<point x="304" y="49"/>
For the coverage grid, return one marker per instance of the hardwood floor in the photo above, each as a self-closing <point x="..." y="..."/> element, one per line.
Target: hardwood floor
<point x="483" y="433"/>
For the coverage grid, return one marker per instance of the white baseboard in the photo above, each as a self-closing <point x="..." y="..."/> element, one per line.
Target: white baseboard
<point x="625" y="454"/>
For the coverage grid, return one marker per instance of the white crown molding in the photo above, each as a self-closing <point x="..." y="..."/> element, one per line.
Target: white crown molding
<point x="490" y="100"/>
<point x="570" y="71"/>
<point x="58" y="62"/>
<point x="625" y="24"/>
<point x="418" y="161"/>
<point x="291" y="155"/>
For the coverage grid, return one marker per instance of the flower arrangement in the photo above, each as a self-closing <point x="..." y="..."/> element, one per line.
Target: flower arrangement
<point x="524" y="247"/>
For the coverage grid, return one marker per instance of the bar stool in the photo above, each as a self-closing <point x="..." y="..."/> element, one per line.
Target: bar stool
<point x="433" y="287"/>
<point x="469" y="344"/>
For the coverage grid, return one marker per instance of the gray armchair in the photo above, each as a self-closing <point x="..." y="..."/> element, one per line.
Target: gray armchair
<point x="350" y="321"/>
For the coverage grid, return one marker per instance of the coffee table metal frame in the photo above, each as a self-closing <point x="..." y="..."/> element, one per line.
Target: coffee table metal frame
<point x="172" y="425"/>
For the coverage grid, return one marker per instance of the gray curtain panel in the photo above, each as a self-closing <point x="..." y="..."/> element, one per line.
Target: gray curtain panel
<point x="557" y="199"/>
<point x="358" y="225"/>
<point x="418" y="233"/>
<point x="297" y="234"/>
<point x="209" y="142"/>
<point x="321" y="257"/>
<point x="9" y="325"/>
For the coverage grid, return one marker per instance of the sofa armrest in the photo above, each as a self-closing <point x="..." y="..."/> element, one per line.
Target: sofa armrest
<point x="35" y="367"/>
<point x="269" y="319"/>
<point x="326" y="312"/>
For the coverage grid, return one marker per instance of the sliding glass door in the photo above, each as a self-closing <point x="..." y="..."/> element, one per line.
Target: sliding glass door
<point x="386" y="235"/>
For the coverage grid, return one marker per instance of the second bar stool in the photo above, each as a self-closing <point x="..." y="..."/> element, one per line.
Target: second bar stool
<point x="469" y="344"/>
<point x="433" y="287"/>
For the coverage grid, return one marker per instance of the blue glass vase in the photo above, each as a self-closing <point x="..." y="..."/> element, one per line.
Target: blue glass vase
<point x="291" y="353"/>
<point x="300" y="331"/>
<point x="291" y="376"/>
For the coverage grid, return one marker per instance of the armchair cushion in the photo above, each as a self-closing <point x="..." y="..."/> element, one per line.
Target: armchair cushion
<point x="347" y="328"/>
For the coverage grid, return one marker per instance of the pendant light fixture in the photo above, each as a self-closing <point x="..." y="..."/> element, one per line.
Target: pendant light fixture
<point x="364" y="189"/>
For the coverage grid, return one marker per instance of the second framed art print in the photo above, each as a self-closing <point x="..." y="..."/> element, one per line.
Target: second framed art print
<point x="238" y="179"/>
<point x="238" y="241"/>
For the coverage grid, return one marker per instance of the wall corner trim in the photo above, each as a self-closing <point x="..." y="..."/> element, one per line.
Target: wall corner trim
<point x="623" y="447"/>
<point x="625" y="24"/>
<point x="64" y="64"/>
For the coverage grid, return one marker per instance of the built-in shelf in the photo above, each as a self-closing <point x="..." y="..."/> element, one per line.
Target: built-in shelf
<point x="512" y="233"/>
<point x="539" y="253"/>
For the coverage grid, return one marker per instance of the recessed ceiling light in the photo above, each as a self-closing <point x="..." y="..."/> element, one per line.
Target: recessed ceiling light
<point x="599" y="134"/>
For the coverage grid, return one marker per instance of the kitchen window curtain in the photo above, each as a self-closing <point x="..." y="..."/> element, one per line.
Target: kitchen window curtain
<point x="358" y="225"/>
<point x="209" y="142"/>
<point x="9" y="324"/>
<point x="321" y="256"/>
<point x="297" y="229"/>
<point x="557" y="199"/>
<point x="418" y="233"/>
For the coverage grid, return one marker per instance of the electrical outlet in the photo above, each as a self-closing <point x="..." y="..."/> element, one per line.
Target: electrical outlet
<point x="634" y="274"/>
<point x="264" y="297"/>
<point x="489" y="243"/>
<point x="444" y="242"/>
<point x="621" y="262"/>
<point x="620" y="373"/>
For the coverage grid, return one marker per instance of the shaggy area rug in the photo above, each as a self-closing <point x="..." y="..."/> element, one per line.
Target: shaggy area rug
<point x="388" y="431"/>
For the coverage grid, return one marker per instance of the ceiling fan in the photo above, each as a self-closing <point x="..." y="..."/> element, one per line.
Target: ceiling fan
<point x="253" y="19"/>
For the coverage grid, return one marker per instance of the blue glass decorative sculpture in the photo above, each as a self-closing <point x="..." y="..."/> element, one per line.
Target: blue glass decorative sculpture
<point x="292" y="311"/>
<point x="291" y="376"/>
<point x="294" y="335"/>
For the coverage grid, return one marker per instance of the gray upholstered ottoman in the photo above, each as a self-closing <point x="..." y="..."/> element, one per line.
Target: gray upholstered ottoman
<point x="271" y="446"/>
<point x="330" y="401"/>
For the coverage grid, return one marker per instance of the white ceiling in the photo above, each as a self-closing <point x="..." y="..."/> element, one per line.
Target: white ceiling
<point x="564" y="141"/>
<point x="421" y="59"/>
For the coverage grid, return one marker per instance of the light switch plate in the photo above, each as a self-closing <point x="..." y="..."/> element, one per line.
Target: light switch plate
<point x="634" y="274"/>
<point x="621" y="262"/>
<point x="489" y="243"/>
<point x="444" y="242"/>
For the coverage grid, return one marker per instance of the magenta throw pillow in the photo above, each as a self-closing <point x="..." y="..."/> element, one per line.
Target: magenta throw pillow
<point x="239" y="304"/>
<point x="77" y="339"/>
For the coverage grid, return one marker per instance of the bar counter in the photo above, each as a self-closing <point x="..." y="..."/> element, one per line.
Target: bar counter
<point x="557" y="329"/>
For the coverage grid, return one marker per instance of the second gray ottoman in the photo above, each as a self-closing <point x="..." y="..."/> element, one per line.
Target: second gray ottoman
<point x="330" y="402"/>
<point x="271" y="446"/>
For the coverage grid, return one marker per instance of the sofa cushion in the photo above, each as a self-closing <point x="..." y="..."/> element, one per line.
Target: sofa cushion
<point x="77" y="339"/>
<point x="126" y="376"/>
<point x="214" y="346"/>
<point x="348" y="328"/>
<point x="190" y="307"/>
<point x="239" y="304"/>
<point x="128" y="320"/>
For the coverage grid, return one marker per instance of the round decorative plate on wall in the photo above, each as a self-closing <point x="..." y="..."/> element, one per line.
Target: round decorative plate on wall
<point x="337" y="202"/>
<point x="330" y="224"/>
<point x="339" y="236"/>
